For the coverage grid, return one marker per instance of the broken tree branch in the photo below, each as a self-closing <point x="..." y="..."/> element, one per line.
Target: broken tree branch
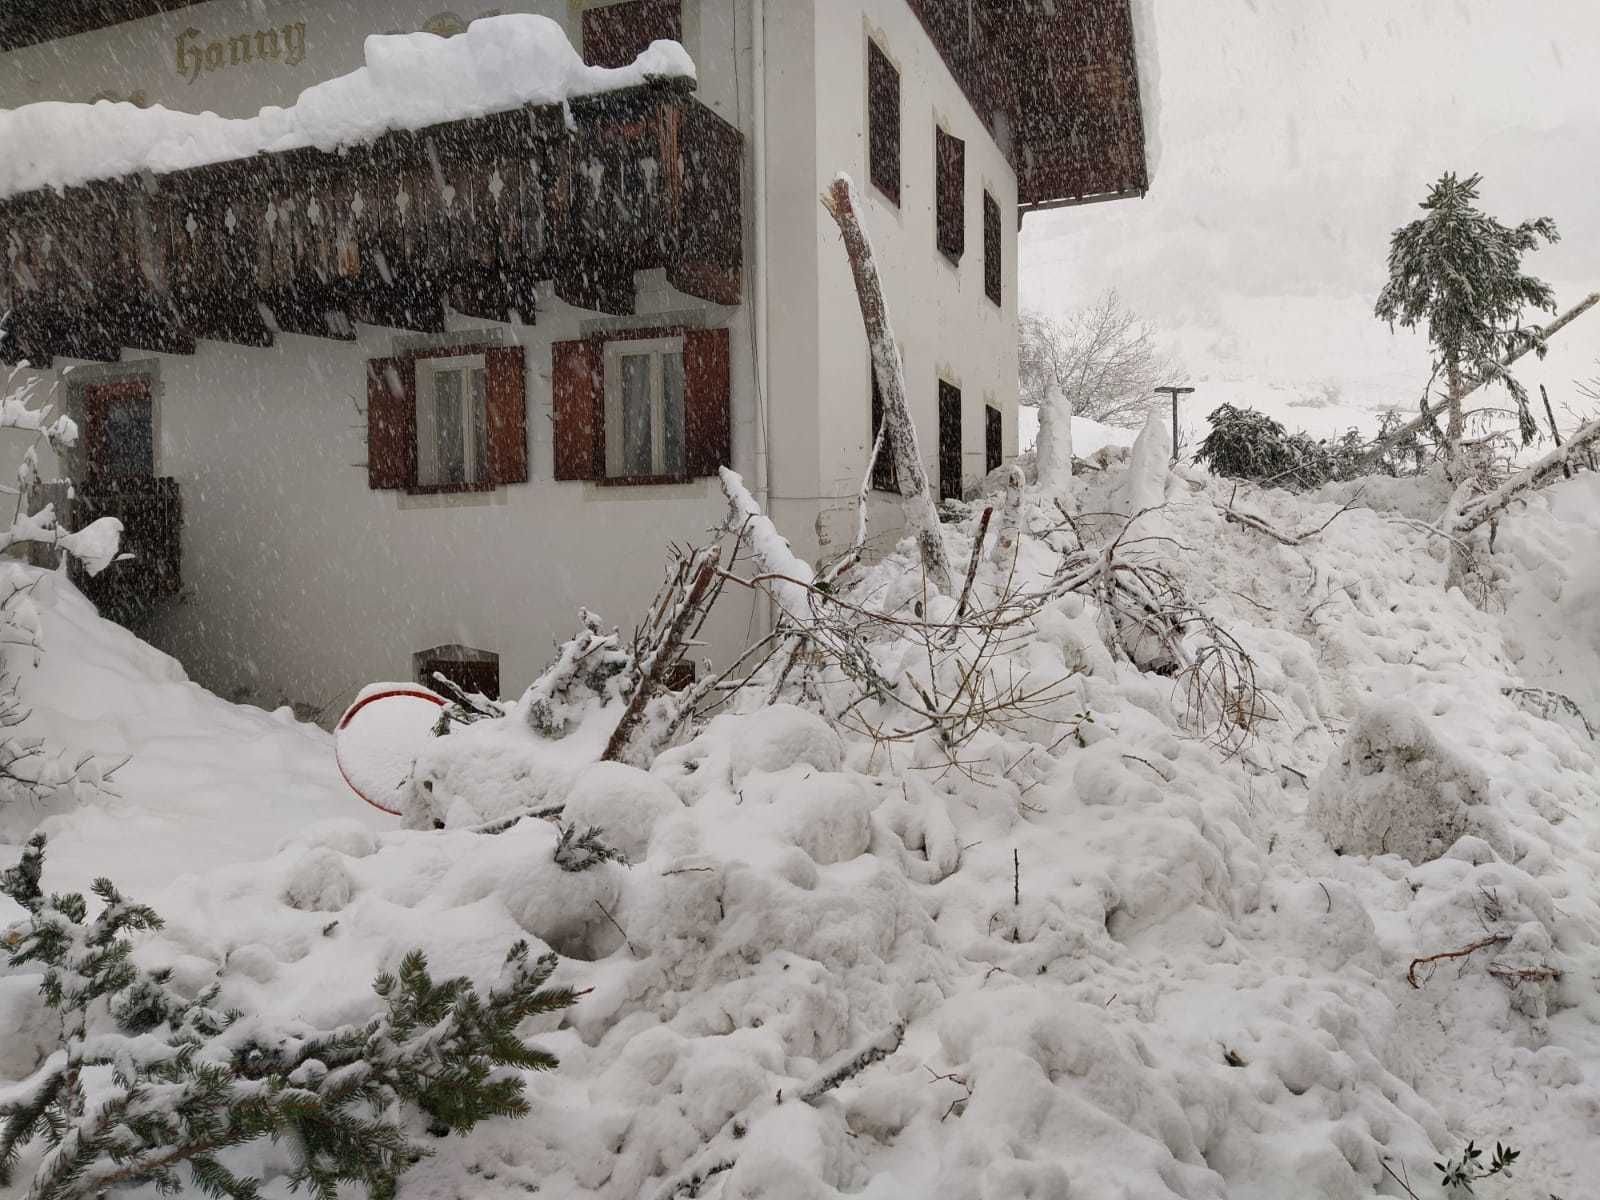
<point x="1411" y="971"/>
<point x="921" y="514"/>
<point x="1482" y="509"/>
<point x="1542" y="335"/>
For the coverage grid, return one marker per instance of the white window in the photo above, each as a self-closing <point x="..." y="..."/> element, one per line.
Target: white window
<point x="452" y="421"/>
<point x="644" y="408"/>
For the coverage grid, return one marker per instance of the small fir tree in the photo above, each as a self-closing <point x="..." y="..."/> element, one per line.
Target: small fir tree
<point x="1459" y="271"/>
<point x="147" y="1081"/>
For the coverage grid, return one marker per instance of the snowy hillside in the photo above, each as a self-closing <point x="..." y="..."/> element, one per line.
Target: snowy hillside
<point x="1103" y="955"/>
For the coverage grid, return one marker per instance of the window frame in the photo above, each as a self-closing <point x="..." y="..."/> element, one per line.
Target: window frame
<point x="885" y="170"/>
<point x="949" y="195"/>
<point x="657" y="346"/>
<point x="951" y="483"/>
<point x="475" y="473"/>
<point x="994" y="249"/>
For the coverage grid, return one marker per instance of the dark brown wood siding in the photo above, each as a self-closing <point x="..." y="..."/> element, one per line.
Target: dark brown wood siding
<point x="617" y="34"/>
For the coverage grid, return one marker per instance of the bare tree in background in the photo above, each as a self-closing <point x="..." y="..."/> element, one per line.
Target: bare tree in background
<point x="1105" y="359"/>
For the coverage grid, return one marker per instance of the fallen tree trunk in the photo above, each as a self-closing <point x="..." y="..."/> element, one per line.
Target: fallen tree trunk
<point x="921" y="514"/>
<point x="1482" y="509"/>
<point x="1416" y="424"/>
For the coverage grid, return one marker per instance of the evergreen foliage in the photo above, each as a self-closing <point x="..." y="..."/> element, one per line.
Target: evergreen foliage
<point x="1458" y="271"/>
<point x="1245" y="444"/>
<point x="146" y="1081"/>
<point x="578" y="851"/>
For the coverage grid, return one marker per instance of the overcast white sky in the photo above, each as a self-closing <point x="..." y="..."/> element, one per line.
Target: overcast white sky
<point x="1292" y="136"/>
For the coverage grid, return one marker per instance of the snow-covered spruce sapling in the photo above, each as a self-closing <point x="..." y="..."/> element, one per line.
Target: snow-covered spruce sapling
<point x="1458" y="271"/>
<point x="31" y="767"/>
<point x="146" y="1082"/>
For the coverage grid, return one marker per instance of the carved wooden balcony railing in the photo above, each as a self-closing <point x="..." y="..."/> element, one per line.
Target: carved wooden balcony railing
<point x="470" y="214"/>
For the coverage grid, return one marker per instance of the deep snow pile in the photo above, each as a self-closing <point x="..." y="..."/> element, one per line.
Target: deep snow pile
<point x="410" y="81"/>
<point x="1101" y="959"/>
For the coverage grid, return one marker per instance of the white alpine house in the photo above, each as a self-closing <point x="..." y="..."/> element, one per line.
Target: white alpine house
<point x="397" y="334"/>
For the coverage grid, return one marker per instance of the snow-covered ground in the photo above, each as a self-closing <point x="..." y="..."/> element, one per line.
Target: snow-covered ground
<point x="1125" y="962"/>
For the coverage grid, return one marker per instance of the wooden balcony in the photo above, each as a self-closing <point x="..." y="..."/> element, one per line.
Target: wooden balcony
<point x="470" y="215"/>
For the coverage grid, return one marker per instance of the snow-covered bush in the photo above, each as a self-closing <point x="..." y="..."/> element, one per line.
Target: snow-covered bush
<point x="31" y="768"/>
<point x="1397" y="787"/>
<point x="145" y="1080"/>
<point x="1245" y="444"/>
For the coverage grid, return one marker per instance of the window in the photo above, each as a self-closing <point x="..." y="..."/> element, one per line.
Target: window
<point x="452" y="419"/>
<point x="884" y="476"/>
<point x="993" y="439"/>
<point x="616" y="34"/>
<point x="475" y="672"/>
<point x="119" y="429"/>
<point x="993" y="250"/>
<point x="642" y="406"/>
<point x="950" y="171"/>
<point x="949" y="441"/>
<point x="883" y="122"/>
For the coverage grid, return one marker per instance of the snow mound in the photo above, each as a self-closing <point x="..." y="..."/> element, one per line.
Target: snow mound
<point x="1397" y="787"/>
<point x="1098" y="955"/>
<point x="410" y="81"/>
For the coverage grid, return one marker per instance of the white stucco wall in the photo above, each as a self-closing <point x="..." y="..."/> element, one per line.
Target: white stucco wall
<point x="947" y="327"/>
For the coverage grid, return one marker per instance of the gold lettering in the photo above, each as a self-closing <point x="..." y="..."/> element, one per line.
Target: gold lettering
<point x="285" y="44"/>
<point x="294" y="43"/>
<point x="187" y="54"/>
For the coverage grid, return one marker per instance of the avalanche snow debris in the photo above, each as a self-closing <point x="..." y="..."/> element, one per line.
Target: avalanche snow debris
<point x="1125" y="963"/>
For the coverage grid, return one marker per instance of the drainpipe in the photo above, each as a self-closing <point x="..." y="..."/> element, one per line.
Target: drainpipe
<point x="758" y="115"/>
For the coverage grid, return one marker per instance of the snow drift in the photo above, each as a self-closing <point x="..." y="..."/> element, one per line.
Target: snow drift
<point x="1101" y="957"/>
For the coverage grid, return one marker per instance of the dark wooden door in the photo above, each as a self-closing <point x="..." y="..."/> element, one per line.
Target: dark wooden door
<point x="119" y="430"/>
<point x="949" y="441"/>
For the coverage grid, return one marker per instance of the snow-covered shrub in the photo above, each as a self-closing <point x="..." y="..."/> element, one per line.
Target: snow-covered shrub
<point x="1245" y="444"/>
<point x="1397" y="787"/>
<point x="29" y="767"/>
<point x="145" y="1080"/>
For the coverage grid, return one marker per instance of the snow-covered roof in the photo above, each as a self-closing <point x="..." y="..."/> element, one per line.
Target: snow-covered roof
<point x="410" y="81"/>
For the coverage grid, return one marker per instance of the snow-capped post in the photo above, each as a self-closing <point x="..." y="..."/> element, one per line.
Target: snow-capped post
<point x="921" y="514"/>
<point x="1053" y="451"/>
<point x="1005" y="545"/>
<point x="1175" y="393"/>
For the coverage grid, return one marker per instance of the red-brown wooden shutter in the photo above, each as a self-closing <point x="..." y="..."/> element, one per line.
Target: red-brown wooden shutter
<point x="617" y="34"/>
<point x="707" y="390"/>
<point x="391" y="422"/>
<point x="507" y="404"/>
<point x="577" y="394"/>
